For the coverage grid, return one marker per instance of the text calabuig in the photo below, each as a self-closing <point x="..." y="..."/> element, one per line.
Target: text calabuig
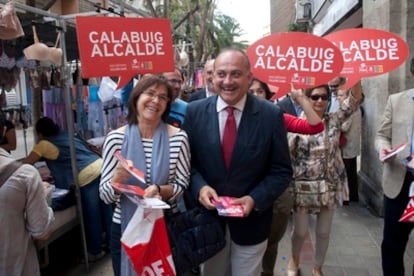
<point x="304" y="59"/>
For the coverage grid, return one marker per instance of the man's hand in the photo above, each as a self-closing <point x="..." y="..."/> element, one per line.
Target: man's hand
<point x="384" y="152"/>
<point x="247" y="202"/>
<point x="206" y="195"/>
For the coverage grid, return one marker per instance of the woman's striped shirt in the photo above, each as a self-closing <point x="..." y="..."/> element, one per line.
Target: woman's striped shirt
<point x="179" y="167"/>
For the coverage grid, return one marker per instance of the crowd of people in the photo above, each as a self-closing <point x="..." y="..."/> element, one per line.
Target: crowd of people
<point x="228" y="139"/>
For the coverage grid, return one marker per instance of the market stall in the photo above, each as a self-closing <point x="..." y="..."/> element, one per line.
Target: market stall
<point x="68" y="219"/>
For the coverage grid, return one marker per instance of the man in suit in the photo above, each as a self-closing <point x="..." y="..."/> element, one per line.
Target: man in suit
<point x="209" y="89"/>
<point x="288" y="105"/>
<point x="396" y="127"/>
<point x="334" y="85"/>
<point x="259" y="169"/>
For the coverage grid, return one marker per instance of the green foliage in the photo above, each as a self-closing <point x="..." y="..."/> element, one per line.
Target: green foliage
<point x="298" y="27"/>
<point x="206" y="29"/>
<point x="227" y="30"/>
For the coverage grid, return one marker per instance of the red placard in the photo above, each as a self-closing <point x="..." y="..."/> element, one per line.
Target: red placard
<point x="368" y="52"/>
<point x="125" y="47"/>
<point x="297" y="58"/>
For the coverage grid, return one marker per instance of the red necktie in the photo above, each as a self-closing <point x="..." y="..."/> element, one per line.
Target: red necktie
<point x="229" y="135"/>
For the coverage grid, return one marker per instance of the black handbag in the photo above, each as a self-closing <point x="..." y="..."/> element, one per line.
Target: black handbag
<point x="195" y="236"/>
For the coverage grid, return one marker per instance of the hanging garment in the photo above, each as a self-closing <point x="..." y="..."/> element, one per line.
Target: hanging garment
<point x="96" y="123"/>
<point x="55" y="53"/>
<point x="5" y="60"/>
<point x="81" y="116"/>
<point x="23" y="62"/>
<point x="9" y="78"/>
<point x="40" y="51"/>
<point x="10" y="27"/>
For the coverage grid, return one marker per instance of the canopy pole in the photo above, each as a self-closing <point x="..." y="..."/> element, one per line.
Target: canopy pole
<point x="65" y="78"/>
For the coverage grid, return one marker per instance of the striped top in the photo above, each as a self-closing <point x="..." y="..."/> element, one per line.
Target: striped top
<point x="179" y="167"/>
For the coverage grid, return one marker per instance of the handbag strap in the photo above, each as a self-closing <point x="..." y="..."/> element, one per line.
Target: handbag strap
<point x="8" y="170"/>
<point x="326" y="142"/>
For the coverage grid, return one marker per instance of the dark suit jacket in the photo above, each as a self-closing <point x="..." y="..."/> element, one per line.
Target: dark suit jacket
<point x="199" y="94"/>
<point x="260" y="164"/>
<point x="287" y="106"/>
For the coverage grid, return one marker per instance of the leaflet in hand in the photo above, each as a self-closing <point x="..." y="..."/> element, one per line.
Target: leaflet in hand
<point x="131" y="169"/>
<point x="136" y="195"/>
<point x="128" y="189"/>
<point x="227" y="209"/>
<point x="394" y="151"/>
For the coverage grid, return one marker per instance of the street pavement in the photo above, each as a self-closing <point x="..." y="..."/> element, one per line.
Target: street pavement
<point x="354" y="248"/>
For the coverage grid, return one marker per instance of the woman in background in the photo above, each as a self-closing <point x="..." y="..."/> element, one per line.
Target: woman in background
<point x="316" y="157"/>
<point x="53" y="147"/>
<point x="351" y="130"/>
<point x="311" y="125"/>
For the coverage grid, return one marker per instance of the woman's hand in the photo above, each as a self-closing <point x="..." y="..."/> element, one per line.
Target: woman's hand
<point x="297" y="94"/>
<point x="300" y="98"/>
<point x="153" y="190"/>
<point x="120" y="176"/>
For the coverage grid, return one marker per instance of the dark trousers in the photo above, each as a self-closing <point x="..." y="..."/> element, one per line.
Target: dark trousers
<point x="352" y="176"/>
<point x="396" y="234"/>
<point x="280" y="218"/>
<point x="116" y="248"/>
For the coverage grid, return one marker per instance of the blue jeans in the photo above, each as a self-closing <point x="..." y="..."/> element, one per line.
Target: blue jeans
<point x="97" y="217"/>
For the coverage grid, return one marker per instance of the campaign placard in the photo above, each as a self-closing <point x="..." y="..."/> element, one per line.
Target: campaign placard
<point x="124" y="47"/>
<point x="297" y="58"/>
<point x="368" y="52"/>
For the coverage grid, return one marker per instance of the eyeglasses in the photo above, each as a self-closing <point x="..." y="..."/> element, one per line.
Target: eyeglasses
<point x="151" y="94"/>
<point x="317" y="97"/>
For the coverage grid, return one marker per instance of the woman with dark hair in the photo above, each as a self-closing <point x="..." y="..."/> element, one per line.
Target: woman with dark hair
<point x="159" y="150"/>
<point x="53" y="147"/>
<point x="317" y="159"/>
<point x="260" y="89"/>
<point x="311" y="125"/>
